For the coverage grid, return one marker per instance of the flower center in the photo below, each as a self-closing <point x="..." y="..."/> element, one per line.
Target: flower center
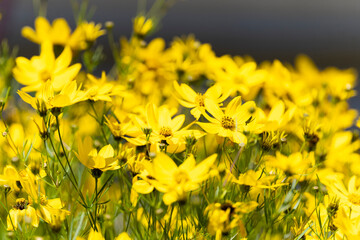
<point x="165" y="131"/>
<point x="45" y="75"/>
<point x="228" y="123"/>
<point x="181" y="176"/>
<point x="21" y="204"/>
<point x="199" y="100"/>
<point x="354" y="198"/>
<point x="43" y="200"/>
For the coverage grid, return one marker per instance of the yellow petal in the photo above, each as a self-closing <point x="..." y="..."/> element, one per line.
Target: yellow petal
<point x="107" y="151"/>
<point x="164" y="167"/>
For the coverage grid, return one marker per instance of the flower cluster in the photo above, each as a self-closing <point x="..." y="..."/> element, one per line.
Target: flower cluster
<point x="174" y="143"/>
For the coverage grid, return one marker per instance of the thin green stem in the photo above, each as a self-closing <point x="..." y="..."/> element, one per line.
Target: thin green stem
<point x="63" y="148"/>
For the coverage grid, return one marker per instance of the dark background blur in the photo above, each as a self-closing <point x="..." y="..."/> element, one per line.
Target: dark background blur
<point x="326" y="30"/>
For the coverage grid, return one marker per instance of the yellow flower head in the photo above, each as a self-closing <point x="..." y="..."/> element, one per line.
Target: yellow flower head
<point x="175" y="181"/>
<point x="59" y="33"/>
<point x="142" y="26"/>
<point x="190" y="99"/>
<point x="91" y="30"/>
<point x="34" y="73"/>
<point x="21" y="214"/>
<point x="233" y="122"/>
<point x="103" y="160"/>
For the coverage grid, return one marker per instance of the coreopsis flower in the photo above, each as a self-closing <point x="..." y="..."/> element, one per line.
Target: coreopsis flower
<point x="258" y="180"/>
<point x="20" y="214"/>
<point x="142" y="26"/>
<point x="91" y="30"/>
<point x="175" y="219"/>
<point x="34" y="73"/>
<point x="46" y="209"/>
<point x="93" y="235"/>
<point x="233" y="122"/>
<point x="176" y="181"/>
<point x="190" y="99"/>
<point x="240" y="77"/>
<point x="118" y="129"/>
<point x="59" y="33"/>
<point x="226" y="216"/>
<point x="342" y="150"/>
<point x="98" y="162"/>
<point x="294" y="164"/>
<point x="99" y="89"/>
<point x="165" y="130"/>
<point x="349" y="226"/>
<point x="278" y="117"/>
<point x="46" y="99"/>
<point x="123" y="236"/>
<point x="349" y="198"/>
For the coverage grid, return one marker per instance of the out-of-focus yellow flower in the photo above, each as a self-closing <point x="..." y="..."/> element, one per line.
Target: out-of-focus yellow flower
<point x="20" y="214"/>
<point x="99" y="89"/>
<point x="190" y="99"/>
<point x="239" y="78"/>
<point x="93" y="235"/>
<point x="10" y="177"/>
<point x="176" y="181"/>
<point x="123" y="236"/>
<point x="258" y="180"/>
<point x="295" y="163"/>
<point x="46" y="209"/>
<point x="59" y="33"/>
<point x="142" y="26"/>
<point x="91" y="30"/>
<point x="119" y="129"/>
<point x="224" y="217"/>
<point x="233" y="122"/>
<point x="103" y="160"/>
<point x="34" y="73"/>
<point x="350" y="227"/>
<point x="349" y="198"/>
<point x="278" y="118"/>
<point x="45" y="98"/>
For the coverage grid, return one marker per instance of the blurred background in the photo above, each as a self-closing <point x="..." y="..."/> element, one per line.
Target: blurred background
<point x="326" y="30"/>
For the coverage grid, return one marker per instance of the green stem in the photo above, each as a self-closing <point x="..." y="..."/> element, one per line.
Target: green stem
<point x="74" y="185"/>
<point x="63" y="148"/>
<point x="96" y="198"/>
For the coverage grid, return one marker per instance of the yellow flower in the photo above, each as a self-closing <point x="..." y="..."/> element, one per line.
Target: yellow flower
<point x="165" y="130"/>
<point x="45" y="99"/>
<point x="69" y="95"/>
<point x="350" y="227"/>
<point x="21" y="213"/>
<point x="59" y="33"/>
<point x="226" y="216"/>
<point x="175" y="181"/>
<point x="278" y="118"/>
<point x="117" y="128"/>
<point x="190" y="99"/>
<point x="258" y="180"/>
<point x="34" y="73"/>
<point x="142" y="26"/>
<point x="93" y="235"/>
<point x="99" y="89"/>
<point x="46" y="209"/>
<point x="233" y="122"/>
<point x="91" y="31"/>
<point x="295" y="163"/>
<point x="123" y="236"/>
<point x="98" y="162"/>
<point x="349" y="198"/>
